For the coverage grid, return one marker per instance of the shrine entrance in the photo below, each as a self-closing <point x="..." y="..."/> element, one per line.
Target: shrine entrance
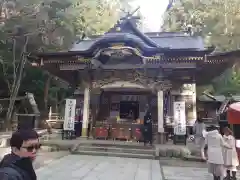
<point x="125" y="100"/>
<point x="121" y="110"/>
<point x="129" y="110"/>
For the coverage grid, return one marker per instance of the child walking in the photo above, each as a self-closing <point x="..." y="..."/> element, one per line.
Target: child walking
<point x="230" y="155"/>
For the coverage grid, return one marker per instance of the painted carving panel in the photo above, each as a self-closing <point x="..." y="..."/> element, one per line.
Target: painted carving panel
<point x="133" y="76"/>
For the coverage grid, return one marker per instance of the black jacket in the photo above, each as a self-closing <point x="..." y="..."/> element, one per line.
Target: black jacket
<point x="148" y="119"/>
<point x="13" y="167"/>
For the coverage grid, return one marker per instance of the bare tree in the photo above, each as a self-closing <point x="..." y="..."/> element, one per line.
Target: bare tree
<point x="17" y="73"/>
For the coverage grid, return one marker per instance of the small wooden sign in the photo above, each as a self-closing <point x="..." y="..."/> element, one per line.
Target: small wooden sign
<point x="115" y="107"/>
<point x="130" y="98"/>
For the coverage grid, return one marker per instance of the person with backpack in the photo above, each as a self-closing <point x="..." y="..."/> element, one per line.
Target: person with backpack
<point x="17" y="165"/>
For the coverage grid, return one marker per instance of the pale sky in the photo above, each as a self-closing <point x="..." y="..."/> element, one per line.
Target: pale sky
<point x="152" y="11"/>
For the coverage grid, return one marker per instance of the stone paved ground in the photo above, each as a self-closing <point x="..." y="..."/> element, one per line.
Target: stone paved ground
<point x="175" y="169"/>
<point x="76" y="167"/>
<point x="45" y="158"/>
<point x="185" y="173"/>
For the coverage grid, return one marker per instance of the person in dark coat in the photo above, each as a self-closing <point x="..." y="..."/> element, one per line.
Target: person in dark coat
<point x="147" y="128"/>
<point x="17" y="165"/>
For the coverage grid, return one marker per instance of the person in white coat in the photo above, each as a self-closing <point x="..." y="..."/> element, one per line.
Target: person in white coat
<point x="230" y="155"/>
<point x="215" y="144"/>
<point x="199" y="128"/>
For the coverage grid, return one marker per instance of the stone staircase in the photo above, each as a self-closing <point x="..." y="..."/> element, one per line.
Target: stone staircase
<point x="116" y="150"/>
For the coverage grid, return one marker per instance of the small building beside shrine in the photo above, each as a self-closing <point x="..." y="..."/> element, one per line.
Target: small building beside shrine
<point x="124" y="72"/>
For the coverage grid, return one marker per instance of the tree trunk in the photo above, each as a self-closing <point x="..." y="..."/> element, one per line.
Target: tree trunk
<point x="56" y="104"/>
<point x="16" y="86"/>
<point x="46" y="90"/>
<point x="45" y="111"/>
<point x="13" y="98"/>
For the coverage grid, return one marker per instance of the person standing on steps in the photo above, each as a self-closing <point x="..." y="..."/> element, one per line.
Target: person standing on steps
<point x="230" y="155"/>
<point x="199" y="130"/>
<point x="147" y="128"/>
<point x="215" y="160"/>
<point x="18" y="164"/>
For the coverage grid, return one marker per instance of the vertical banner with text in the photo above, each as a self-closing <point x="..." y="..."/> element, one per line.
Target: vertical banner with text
<point x="179" y="118"/>
<point x="69" y="119"/>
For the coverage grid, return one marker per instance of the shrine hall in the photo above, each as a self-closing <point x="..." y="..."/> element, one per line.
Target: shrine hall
<point x="123" y="72"/>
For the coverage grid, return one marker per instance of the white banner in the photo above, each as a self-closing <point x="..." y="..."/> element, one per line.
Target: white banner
<point x="69" y="119"/>
<point x="179" y="118"/>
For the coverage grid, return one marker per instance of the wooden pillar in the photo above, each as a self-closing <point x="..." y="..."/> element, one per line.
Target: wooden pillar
<point x="86" y="107"/>
<point x="194" y="100"/>
<point x="95" y="103"/>
<point x="161" y="134"/>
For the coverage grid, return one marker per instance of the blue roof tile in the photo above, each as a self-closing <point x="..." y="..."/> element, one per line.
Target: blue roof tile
<point x="163" y="41"/>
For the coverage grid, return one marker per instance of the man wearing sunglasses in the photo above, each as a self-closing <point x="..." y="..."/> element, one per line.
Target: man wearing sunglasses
<point x="18" y="164"/>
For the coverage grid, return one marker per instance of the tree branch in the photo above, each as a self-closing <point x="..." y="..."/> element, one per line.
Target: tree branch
<point x="14" y="61"/>
<point x="5" y="74"/>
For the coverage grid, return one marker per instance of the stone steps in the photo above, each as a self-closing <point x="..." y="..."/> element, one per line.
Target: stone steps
<point x="121" y="148"/>
<point x="114" y="154"/>
<point x="193" y="158"/>
<point x="116" y="150"/>
<point x="120" y="144"/>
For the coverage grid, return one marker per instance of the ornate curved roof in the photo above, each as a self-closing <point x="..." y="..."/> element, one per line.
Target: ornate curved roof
<point x="155" y="49"/>
<point x="162" y="40"/>
<point x="125" y="32"/>
<point x="128" y="25"/>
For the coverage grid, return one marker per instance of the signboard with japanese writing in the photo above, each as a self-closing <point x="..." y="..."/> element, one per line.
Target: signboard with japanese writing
<point x="117" y="98"/>
<point x="130" y="98"/>
<point x="179" y="118"/>
<point x="69" y="119"/>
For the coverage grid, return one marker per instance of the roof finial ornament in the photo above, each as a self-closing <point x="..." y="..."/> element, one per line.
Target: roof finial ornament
<point x="190" y="29"/>
<point x="129" y="15"/>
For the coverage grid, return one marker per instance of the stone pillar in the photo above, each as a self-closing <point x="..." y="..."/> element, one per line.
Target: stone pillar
<point x="161" y="139"/>
<point x="86" y="111"/>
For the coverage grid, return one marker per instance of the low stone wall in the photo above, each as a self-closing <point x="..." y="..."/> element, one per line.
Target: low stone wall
<point x="187" y="153"/>
<point x="172" y="151"/>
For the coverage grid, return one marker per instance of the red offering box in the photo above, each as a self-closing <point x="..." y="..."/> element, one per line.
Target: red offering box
<point x="101" y="132"/>
<point x="233" y="113"/>
<point x="120" y="133"/>
<point x="114" y="133"/>
<point x="137" y="135"/>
